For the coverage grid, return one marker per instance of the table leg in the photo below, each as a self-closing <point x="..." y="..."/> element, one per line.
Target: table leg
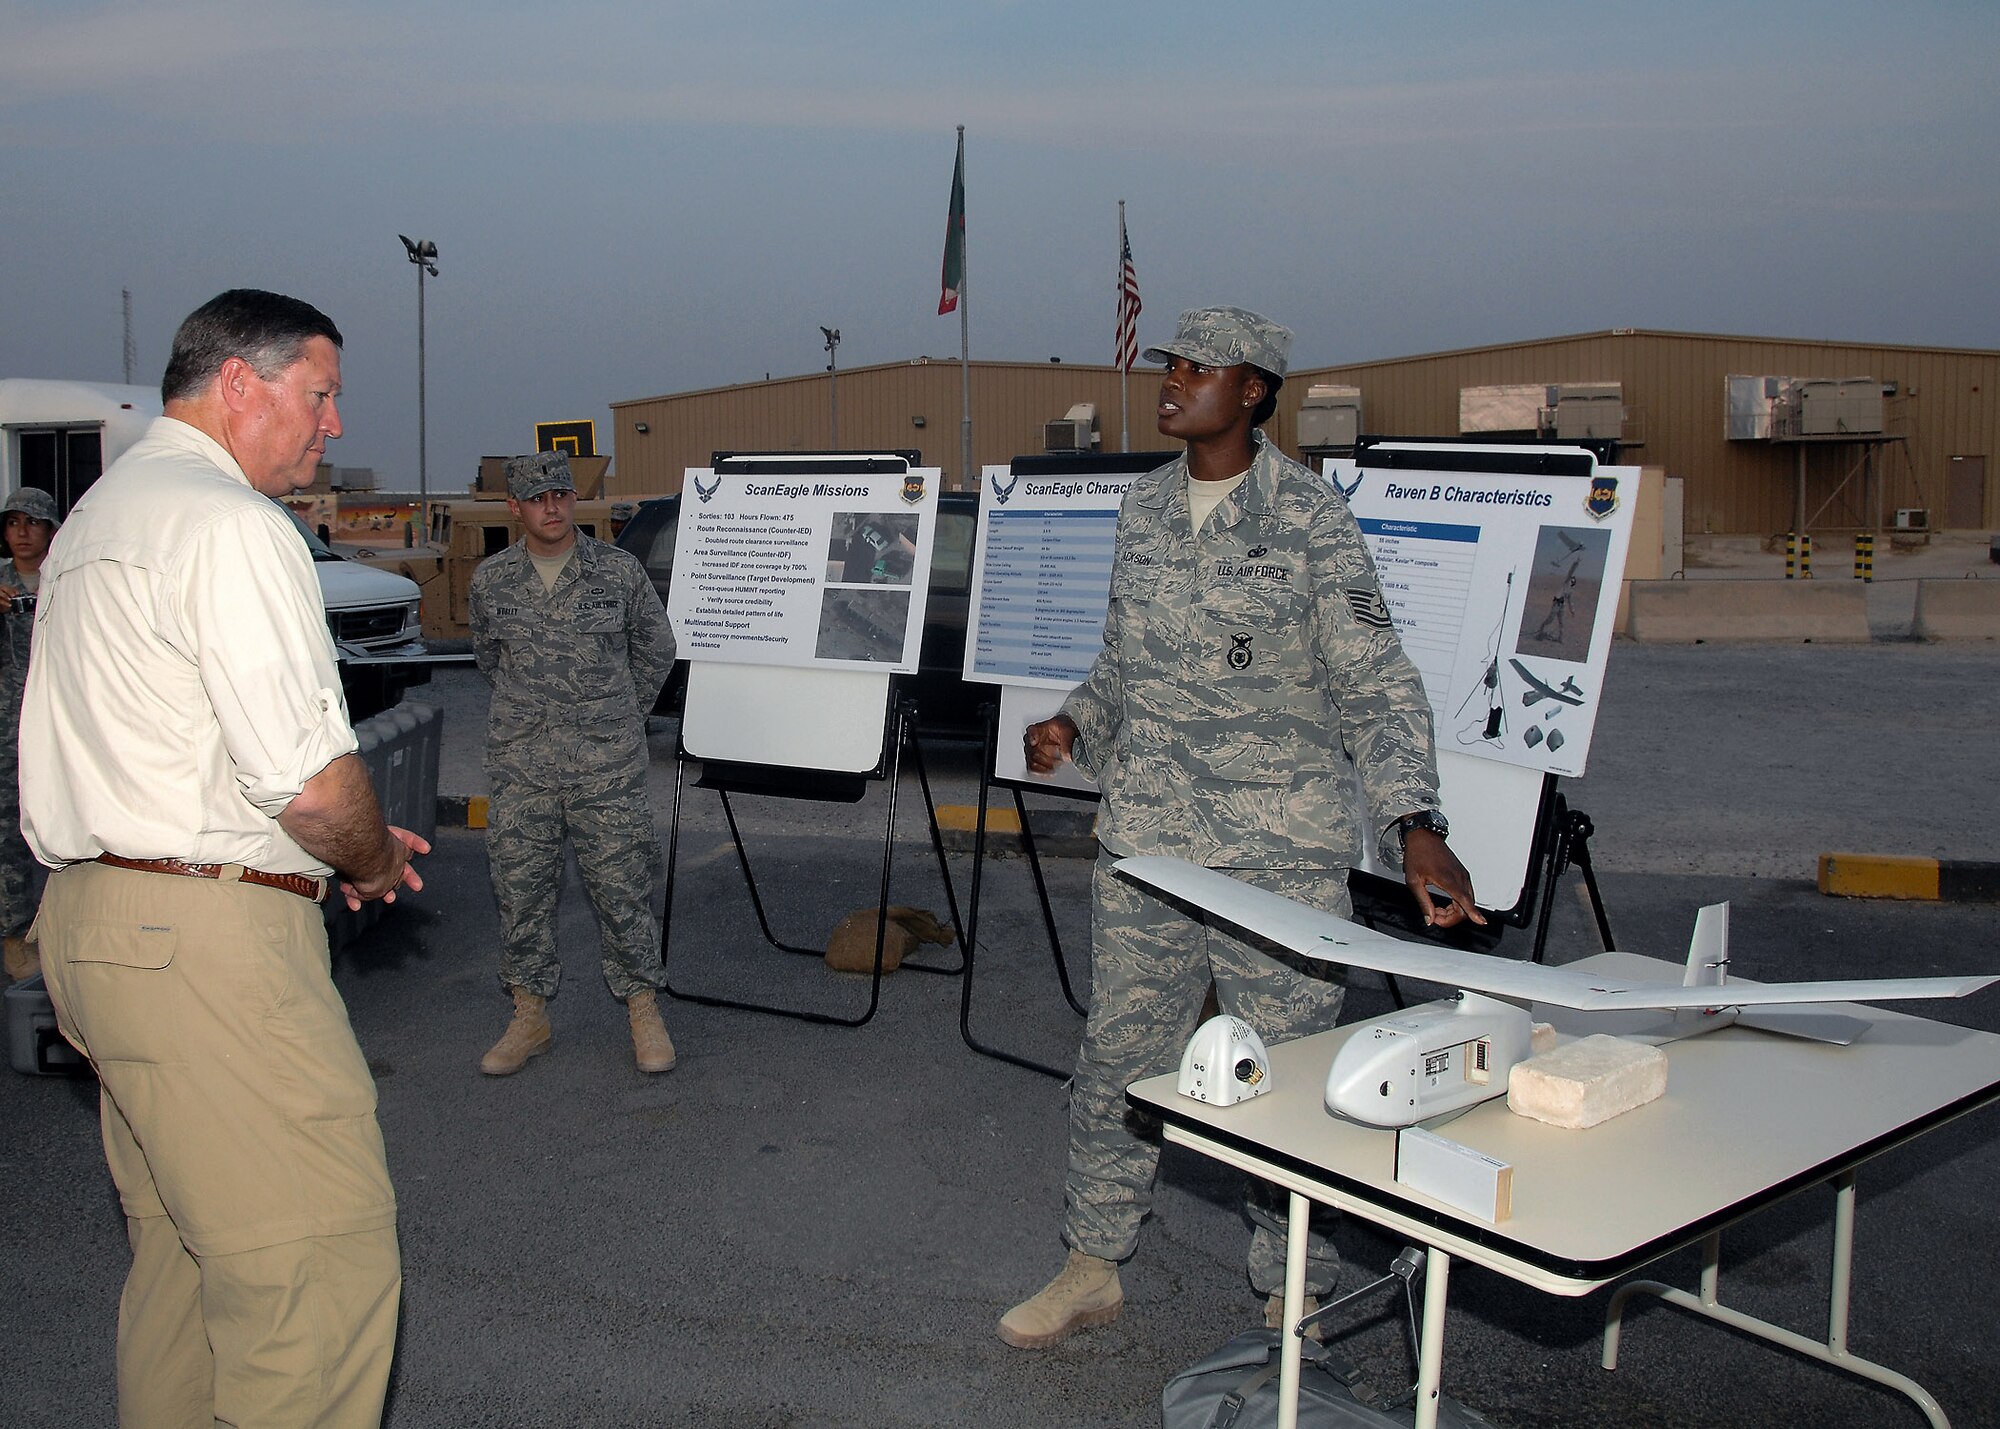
<point x="1430" y="1348"/>
<point x="1296" y="1227"/>
<point x="1833" y="1351"/>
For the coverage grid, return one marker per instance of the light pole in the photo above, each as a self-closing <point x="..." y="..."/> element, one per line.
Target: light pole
<point x="833" y="384"/>
<point x="424" y="254"/>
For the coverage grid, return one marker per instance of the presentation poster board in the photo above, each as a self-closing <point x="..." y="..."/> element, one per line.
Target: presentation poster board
<point x="1503" y="585"/>
<point x="832" y="720"/>
<point x="1041" y="572"/>
<point x="815" y="561"/>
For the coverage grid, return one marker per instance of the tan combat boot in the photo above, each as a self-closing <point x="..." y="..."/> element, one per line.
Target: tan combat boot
<point x="528" y="1035"/>
<point x="651" y="1047"/>
<point x="21" y="958"/>
<point x="1274" y="1315"/>
<point x="1086" y="1293"/>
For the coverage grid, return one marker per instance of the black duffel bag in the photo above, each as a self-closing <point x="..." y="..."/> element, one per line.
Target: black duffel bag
<point x="1236" y="1387"/>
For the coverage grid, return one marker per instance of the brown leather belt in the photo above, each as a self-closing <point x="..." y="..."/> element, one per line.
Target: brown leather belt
<point x="313" y="890"/>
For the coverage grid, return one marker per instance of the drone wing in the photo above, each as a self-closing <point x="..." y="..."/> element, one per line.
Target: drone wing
<point x="1317" y="934"/>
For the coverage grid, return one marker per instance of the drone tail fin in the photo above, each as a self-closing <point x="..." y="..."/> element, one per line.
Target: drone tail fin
<point x="1708" y="949"/>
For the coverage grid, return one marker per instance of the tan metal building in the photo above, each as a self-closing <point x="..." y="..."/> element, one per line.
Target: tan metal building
<point x="895" y="406"/>
<point x="1913" y="444"/>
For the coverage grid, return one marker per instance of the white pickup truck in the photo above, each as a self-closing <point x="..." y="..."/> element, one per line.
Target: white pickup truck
<point x="60" y="436"/>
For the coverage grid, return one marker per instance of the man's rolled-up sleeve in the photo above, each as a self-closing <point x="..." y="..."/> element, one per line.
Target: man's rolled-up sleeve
<point x="251" y="616"/>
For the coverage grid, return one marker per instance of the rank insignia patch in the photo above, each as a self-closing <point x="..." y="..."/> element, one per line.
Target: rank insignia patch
<point x="1368" y="608"/>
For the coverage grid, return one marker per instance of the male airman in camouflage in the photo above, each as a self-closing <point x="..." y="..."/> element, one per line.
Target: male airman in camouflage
<point x="1250" y="670"/>
<point x="577" y="645"/>
<point x="30" y="524"/>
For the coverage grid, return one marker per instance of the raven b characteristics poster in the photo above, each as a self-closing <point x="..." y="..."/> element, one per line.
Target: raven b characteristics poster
<point x="1504" y="589"/>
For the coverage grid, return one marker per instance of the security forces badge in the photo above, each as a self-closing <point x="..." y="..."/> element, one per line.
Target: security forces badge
<point x="913" y="487"/>
<point x="1603" y="498"/>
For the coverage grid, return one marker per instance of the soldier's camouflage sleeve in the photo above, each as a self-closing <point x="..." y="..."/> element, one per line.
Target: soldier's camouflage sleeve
<point x="649" y="638"/>
<point x="485" y="645"/>
<point x="1385" y="717"/>
<point x="1097" y="705"/>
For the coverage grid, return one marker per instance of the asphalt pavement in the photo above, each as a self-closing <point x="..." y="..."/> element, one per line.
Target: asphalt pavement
<point x="819" y="1226"/>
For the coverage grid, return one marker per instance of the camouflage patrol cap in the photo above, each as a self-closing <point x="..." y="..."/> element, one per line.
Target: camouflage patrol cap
<point x="529" y="476"/>
<point x="34" y="502"/>
<point x="1223" y="337"/>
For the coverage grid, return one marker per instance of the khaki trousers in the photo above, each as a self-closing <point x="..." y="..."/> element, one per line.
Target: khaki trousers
<point x="239" y="1125"/>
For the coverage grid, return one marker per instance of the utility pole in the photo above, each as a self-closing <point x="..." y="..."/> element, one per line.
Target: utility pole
<point x="424" y="254"/>
<point x="131" y="353"/>
<point x="833" y="385"/>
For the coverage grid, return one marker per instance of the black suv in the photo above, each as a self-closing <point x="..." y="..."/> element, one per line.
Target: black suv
<point x="946" y="705"/>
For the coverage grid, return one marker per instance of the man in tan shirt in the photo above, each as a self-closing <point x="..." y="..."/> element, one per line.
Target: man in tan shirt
<point x="191" y="778"/>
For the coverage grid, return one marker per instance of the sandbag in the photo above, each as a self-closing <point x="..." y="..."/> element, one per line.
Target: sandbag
<point x="851" y="948"/>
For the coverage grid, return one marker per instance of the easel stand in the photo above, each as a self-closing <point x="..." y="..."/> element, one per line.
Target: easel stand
<point x="823" y="787"/>
<point x="986" y="783"/>
<point x="1561" y="841"/>
<point x="1567" y="843"/>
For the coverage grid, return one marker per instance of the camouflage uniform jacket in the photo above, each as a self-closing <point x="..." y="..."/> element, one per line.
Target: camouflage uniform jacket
<point x="587" y="658"/>
<point x="1247" y="672"/>
<point x="17" y="631"/>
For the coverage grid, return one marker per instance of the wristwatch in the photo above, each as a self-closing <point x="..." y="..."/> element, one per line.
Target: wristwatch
<point x="1423" y="819"/>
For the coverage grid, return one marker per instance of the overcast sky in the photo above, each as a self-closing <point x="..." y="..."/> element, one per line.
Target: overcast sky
<point x="630" y="199"/>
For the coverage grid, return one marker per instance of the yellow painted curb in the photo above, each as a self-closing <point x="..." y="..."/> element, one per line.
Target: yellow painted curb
<point x="1865" y="875"/>
<point x="964" y="818"/>
<point x="475" y="812"/>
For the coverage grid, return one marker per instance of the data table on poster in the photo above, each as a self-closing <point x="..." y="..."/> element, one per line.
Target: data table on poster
<point x="1426" y="573"/>
<point x="1042" y="594"/>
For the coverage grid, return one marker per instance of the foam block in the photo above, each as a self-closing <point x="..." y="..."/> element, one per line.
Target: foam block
<point x="1474" y="1182"/>
<point x="1588" y="1081"/>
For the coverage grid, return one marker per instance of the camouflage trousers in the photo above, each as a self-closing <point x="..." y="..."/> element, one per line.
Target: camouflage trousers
<point x="17" y="863"/>
<point x="1150" y="967"/>
<point x="608" y="820"/>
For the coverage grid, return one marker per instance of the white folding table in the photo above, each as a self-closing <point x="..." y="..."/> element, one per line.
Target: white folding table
<point x="1748" y="1118"/>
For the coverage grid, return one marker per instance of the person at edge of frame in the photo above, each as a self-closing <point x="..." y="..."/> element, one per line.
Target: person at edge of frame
<point x="573" y="637"/>
<point x="1249" y="669"/>
<point x="190" y="774"/>
<point x="31" y="523"/>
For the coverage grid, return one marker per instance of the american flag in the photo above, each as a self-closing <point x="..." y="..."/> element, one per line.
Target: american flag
<point x="1128" y="301"/>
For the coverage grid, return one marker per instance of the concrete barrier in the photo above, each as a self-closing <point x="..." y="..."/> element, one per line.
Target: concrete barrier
<point x="1957" y="610"/>
<point x="1682" y="612"/>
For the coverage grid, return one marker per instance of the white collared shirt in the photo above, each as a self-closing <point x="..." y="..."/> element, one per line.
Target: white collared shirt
<point x="184" y="686"/>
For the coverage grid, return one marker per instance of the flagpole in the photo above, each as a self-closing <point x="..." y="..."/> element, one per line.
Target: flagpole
<point x="1124" y="372"/>
<point x="966" y="476"/>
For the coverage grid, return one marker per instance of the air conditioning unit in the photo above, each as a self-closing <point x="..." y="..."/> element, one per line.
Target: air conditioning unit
<point x="1330" y="417"/>
<point x="1913" y="518"/>
<point x="1066" y="436"/>
<point x="1074" y="431"/>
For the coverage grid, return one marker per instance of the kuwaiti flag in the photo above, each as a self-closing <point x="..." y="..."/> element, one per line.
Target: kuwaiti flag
<point x="954" y="236"/>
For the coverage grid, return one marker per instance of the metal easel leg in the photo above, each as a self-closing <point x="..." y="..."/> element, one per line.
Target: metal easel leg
<point x="937" y="847"/>
<point x="1572" y="832"/>
<point x="1048" y="912"/>
<point x="750" y="882"/>
<point x="971" y="941"/>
